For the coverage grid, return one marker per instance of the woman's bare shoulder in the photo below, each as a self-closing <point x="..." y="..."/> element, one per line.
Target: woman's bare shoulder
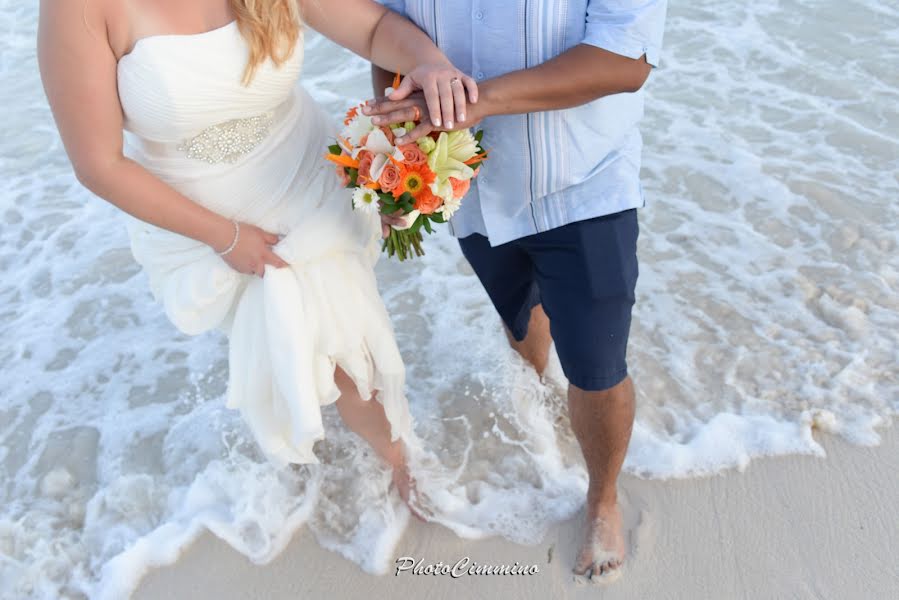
<point x="107" y="21"/>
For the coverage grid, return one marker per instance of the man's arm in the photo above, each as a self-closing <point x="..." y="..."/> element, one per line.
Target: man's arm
<point x="380" y="80"/>
<point x="621" y="43"/>
<point x="580" y="75"/>
<point x="583" y="74"/>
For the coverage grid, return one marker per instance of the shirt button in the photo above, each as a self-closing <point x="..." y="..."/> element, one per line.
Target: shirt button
<point x="479" y="15"/>
<point x="480" y="75"/>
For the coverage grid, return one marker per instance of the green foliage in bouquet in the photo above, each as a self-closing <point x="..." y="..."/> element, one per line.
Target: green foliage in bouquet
<point x="406" y="243"/>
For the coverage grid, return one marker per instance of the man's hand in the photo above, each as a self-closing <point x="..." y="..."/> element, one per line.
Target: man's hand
<point x="443" y="88"/>
<point x="386" y="111"/>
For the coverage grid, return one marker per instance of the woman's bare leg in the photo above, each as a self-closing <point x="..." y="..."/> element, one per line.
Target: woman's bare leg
<point x="367" y="419"/>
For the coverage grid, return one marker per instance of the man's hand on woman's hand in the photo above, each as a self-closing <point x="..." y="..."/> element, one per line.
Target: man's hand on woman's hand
<point x="253" y="251"/>
<point x="385" y="111"/>
<point x="442" y="92"/>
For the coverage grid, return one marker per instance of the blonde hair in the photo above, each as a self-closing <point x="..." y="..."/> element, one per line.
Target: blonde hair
<point x="271" y="28"/>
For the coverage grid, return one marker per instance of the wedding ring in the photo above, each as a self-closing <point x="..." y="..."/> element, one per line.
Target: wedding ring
<point x="454" y="80"/>
<point x="417" y="116"/>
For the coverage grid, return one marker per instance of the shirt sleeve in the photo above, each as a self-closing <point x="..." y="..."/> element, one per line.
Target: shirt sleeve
<point x="398" y="6"/>
<point x="630" y="28"/>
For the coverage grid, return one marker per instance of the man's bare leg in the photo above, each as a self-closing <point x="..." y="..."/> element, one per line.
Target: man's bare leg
<point x="534" y="348"/>
<point x="602" y="422"/>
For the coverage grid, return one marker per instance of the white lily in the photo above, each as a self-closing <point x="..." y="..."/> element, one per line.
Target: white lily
<point x="408" y="221"/>
<point x="380" y="161"/>
<point x="377" y="143"/>
<point x="358" y="128"/>
<point x="442" y="189"/>
<point x="448" y="158"/>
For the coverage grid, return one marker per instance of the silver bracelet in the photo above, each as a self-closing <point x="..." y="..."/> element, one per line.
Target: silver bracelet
<point x="234" y="243"/>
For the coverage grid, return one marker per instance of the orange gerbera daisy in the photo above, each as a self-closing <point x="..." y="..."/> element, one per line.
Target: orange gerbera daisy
<point x="414" y="179"/>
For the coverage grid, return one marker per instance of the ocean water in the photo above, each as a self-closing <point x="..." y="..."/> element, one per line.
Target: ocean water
<point x="767" y="310"/>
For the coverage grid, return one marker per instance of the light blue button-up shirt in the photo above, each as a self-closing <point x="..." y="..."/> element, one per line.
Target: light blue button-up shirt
<point x="551" y="168"/>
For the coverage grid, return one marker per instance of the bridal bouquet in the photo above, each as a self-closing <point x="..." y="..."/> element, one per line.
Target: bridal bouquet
<point x="424" y="182"/>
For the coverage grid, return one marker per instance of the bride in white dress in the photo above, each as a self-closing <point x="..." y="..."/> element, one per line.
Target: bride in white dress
<point x="233" y="213"/>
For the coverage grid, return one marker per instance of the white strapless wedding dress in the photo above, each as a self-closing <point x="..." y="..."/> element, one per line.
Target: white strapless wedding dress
<point x="255" y="153"/>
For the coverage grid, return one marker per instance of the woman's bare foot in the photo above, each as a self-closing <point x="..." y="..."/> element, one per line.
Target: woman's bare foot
<point x="368" y="420"/>
<point x="602" y="554"/>
<point x="405" y="486"/>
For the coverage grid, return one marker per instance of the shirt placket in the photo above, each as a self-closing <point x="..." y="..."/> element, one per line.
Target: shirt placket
<point x="478" y="16"/>
<point x="499" y="202"/>
<point x="529" y="61"/>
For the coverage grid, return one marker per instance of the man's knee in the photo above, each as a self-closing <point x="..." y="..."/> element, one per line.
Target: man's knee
<point x="621" y="391"/>
<point x="534" y="346"/>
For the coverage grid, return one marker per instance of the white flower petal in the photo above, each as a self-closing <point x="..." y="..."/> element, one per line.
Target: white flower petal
<point x="366" y="200"/>
<point x="377" y="166"/>
<point x="443" y="190"/>
<point x="358" y="128"/>
<point x="448" y="158"/>
<point x="449" y="208"/>
<point x="378" y="143"/>
<point x="408" y="219"/>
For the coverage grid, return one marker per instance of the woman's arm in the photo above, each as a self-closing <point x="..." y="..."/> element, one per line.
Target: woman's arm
<point x="78" y="69"/>
<point x="395" y="44"/>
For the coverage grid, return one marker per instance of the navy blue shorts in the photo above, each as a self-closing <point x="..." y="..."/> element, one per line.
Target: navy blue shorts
<point x="584" y="275"/>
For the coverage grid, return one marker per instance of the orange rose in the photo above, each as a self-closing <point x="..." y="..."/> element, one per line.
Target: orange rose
<point x="413" y="155"/>
<point x="342" y="176"/>
<point x="427" y="203"/>
<point x="460" y="188"/>
<point x="390" y="178"/>
<point x="365" y="160"/>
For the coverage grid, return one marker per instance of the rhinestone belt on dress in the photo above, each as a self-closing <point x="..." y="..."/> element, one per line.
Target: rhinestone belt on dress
<point x="228" y="141"/>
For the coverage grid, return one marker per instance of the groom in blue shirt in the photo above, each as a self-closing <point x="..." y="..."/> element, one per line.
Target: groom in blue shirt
<point x="550" y="225"/>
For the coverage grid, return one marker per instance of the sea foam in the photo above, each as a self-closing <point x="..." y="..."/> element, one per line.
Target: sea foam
<point x="767" y="311"/>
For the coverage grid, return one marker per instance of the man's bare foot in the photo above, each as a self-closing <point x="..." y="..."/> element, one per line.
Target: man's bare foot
<point x="602" y="554"/>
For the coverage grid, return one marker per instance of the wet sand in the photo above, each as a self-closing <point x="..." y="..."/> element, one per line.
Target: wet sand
<point x="788" y="527"/>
